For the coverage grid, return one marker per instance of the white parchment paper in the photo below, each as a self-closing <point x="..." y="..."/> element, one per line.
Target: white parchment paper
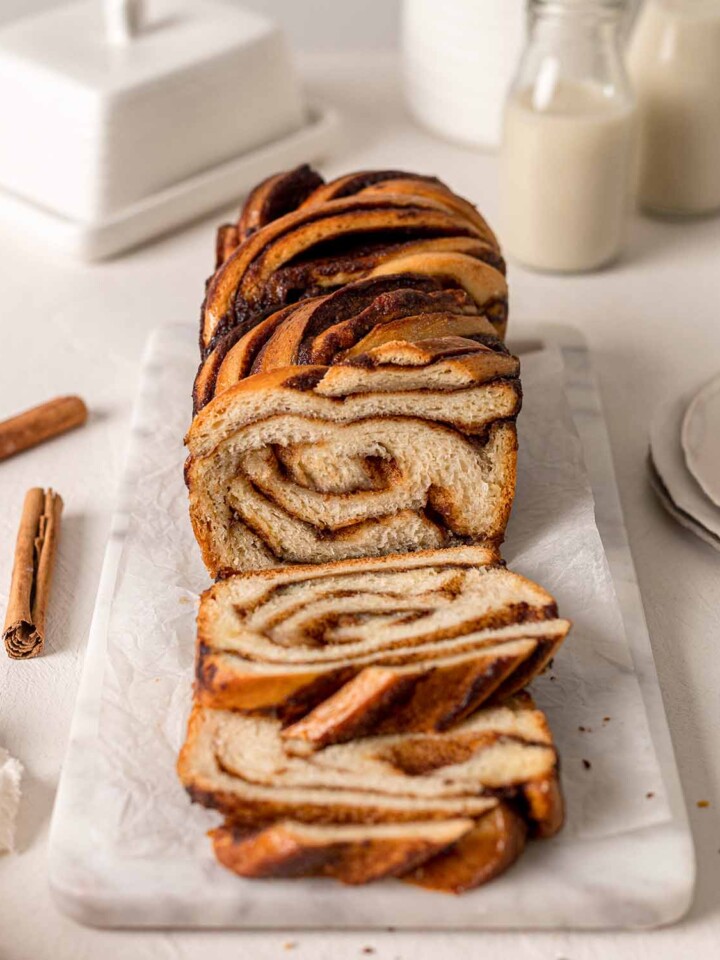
<point x="609" y="770"/>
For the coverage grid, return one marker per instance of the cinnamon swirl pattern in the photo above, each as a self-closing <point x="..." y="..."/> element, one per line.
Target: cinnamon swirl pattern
<point x="405" y="447"/>
<point x="414" y="642"/>
<point x="296" y="239"/>
<point x="501" y="751"/>
<point x="444" y="810"/>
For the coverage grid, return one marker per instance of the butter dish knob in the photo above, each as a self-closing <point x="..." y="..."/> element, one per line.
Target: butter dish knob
<point x="123" y="20"/>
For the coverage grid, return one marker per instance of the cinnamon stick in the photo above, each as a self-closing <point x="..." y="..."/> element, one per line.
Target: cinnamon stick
<point x="40" y="423"/>
<point x="24" y="631"/>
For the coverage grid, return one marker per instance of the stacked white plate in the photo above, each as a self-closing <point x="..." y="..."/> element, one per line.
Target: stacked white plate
<point x="684" y="460"/>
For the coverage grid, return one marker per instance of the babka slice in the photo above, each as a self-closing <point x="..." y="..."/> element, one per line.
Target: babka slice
<point x="404" y="447"/>
<point x="405" y="642"/>
<point x="242" y="766"/>
<point x="450" y="810"/>
<point x="451" y="856"/>
<point x="352" y="854"/>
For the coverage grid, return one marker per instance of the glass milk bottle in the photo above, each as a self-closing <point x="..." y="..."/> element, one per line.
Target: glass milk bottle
<point x="675" y="65"/>
<point x="568" y="139"/>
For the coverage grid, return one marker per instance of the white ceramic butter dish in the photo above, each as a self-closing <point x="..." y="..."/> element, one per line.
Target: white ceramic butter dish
<point x="107" y="143"/>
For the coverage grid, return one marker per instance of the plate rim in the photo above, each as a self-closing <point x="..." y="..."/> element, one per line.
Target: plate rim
<point x="710" y="387"/>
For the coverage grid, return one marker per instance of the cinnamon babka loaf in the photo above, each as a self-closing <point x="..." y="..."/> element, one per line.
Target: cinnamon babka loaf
<point x="411" y="642"/>
<point x="359" y="706"/>
<point x="502" y="756"/>
<point x="293" y="242"/>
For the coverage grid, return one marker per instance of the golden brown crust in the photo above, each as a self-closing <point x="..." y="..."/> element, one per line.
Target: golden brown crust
<point x="285" y="849"/>
<point x="341" y="233"/>
<point x="546" y="806"/>
<point x="381" y="182"/>
<point x="432" y="188"/>
<point x="346" y="323"/>
<point x="243" y="276"/>
<point x="352" y="183"/>
<point x="456" y="860"/>
<point x="276" y="196"/>
<point x="383" y="700"/>
<point x="226" y="241"/>
<point x="486" y="851"/>
<point x="482" y="281"/>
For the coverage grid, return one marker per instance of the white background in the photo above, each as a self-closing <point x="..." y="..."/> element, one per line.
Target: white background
<point x="654" y="325"/>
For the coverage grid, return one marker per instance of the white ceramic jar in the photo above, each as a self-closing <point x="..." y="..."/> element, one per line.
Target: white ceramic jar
<point x="568" y="140"/>
<point x="675" y="67"/>
<point x="458" y="61"/>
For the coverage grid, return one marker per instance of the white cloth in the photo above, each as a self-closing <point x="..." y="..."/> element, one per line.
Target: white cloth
<point x="10" y="775"/>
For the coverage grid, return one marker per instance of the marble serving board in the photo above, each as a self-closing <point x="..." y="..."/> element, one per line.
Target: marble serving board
<point x="128" y="849"/>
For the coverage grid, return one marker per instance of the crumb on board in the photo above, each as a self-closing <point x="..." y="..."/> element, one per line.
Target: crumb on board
<point x="289" y="945"/>
<point x="606" y="719"/>
<point x="649" y="795"/>
<point x="587" y="764"/>
<point x="703" y="803"/>
<point x="368" y="949"/>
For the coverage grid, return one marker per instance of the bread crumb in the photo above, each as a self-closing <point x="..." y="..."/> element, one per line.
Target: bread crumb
<point x="703" y="803"/>
<point x="606" y="719"/>
<point x="649" y="795"/>
<point x="368" y="949"/>
<point x="587" y="764"/>
<point x="289" y="945"/>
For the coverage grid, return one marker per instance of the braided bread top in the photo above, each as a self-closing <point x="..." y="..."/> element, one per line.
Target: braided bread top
<point x="343" y="325"/>
<point x="364" y="224"/>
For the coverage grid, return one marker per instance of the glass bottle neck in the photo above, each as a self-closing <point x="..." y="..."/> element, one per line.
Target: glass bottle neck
<point x="576" y="42"/>
<point x="579" y="9"/>
<point x="590" y="19"/>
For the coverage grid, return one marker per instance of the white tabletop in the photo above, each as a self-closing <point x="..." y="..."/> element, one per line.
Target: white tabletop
<point x="654" y="328"/>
